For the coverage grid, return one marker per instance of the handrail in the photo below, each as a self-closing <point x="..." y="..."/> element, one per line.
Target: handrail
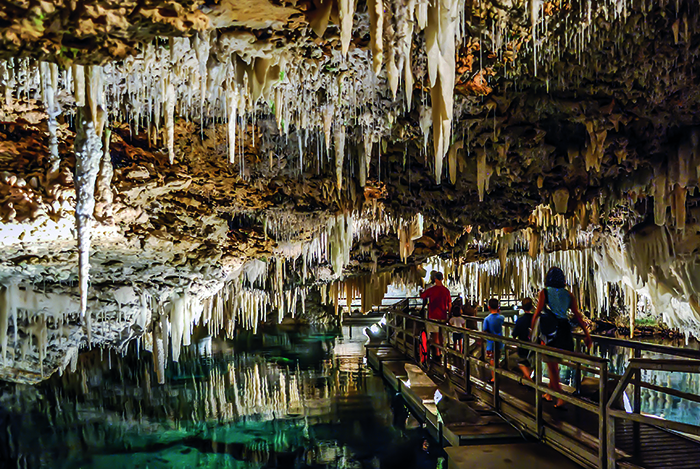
<point x="605" y="409"/>
<point x="633" y="371"/>
<point x="636" y="344"/>
<point x="585" y="359"/>
<point x="632" y="344"/>
<point x="596" y="363"/>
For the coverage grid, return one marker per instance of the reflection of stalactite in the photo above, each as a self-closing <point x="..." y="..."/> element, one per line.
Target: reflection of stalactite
<point x="37" y="320"/>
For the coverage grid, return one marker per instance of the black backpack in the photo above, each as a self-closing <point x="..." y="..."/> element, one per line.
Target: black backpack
<point x="548" y="322"/>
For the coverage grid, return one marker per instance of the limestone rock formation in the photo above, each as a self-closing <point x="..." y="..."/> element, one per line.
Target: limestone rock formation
<point x="226" y="160"/>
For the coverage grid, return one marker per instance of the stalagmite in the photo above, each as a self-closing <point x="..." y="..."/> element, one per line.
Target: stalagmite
<point x="375" y="8"/>
<point x="346" y="10"/>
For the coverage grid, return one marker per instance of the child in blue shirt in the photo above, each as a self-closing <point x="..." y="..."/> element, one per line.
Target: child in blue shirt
<point x="493" y="324"/>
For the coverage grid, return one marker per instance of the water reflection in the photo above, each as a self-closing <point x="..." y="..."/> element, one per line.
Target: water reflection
<point x="304" y="399"/>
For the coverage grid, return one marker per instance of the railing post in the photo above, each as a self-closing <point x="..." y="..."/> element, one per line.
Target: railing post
<point x="637" y="388"/>
<point x="539" y="424"/>
<point x="603" y="430"/>
<point x="610" y="443"/>
<point x="413" y="336"/>
<point x="496" y="360"/>
<point x="388" y="326"/>
<point x="637" y="405"/>
<point x="444" y="350"/>
<point x="484" y="359"/>
<point x="577" y="372"/>
<point x="467" y="364"/>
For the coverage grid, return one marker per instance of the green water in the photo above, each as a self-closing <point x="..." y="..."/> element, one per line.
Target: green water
<point x="299" y="400"/>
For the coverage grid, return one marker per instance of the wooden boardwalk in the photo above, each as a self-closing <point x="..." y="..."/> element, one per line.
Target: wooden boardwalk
<point x="513" y="411"/>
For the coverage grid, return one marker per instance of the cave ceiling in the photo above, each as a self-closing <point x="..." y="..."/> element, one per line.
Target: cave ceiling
<point x="322" y="138"/>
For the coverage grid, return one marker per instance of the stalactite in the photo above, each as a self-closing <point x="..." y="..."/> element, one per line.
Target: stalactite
<point x="49" y="78"/>
<point x="408" y="232"/>
<point x="8" y="309"/>
<point x="440" y="48"/>
<point x="452" y="160"/>
<point x="88" y="152"/>
<point x="79" y="85"/>
<point x="339" y="143"/>
<point x="561" y="200"/>
<point x="347" y="12"/>
<point x="232" y="98"/>
<point x="375" y="8"/>
<point x="392" y="71"/>
<point x="483" y="173"/>
<point x="169" y="119"/>
<point x="104" y="196"/>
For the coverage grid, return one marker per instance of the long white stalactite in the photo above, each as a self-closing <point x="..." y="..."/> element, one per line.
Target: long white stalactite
<point x="88" y="153"/>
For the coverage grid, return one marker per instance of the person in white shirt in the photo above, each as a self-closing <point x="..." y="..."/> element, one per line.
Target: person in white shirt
<point x="457" y="321"/>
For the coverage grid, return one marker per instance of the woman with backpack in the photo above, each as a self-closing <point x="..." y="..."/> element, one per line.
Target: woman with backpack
<point x="553" y="307"/>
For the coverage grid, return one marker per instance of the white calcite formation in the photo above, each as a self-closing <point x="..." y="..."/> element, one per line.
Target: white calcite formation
<point x="288" y="116"/>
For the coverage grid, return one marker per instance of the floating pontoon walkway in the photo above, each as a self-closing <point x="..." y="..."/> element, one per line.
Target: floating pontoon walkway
<point x="524" y="429"/>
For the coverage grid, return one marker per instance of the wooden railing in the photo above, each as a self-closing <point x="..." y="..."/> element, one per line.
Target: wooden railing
<point x="405" y="339"/>
<point x="403" y="331"/>
<point x="633" y="376"/>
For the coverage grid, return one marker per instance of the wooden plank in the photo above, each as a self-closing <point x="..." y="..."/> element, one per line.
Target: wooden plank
<point x="678" y="426"/>
<point x="507" y="456"/>
<point x="687" y="366"/>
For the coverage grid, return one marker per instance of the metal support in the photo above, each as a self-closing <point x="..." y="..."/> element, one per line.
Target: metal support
<point x="443" y="338"/>
<point x="610" y="443"/>
<point x="539" y="424"/>
<point x="467" y="368"/>
<point x="496" y="376"/>
<point x="637" y="406"/>
<point x="602" y="421"/>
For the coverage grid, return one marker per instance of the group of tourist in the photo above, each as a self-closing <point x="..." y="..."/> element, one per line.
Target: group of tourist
<point x="548" y="325"/>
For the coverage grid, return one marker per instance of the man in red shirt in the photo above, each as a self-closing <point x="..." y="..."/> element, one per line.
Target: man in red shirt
<point x="439" y="305"/>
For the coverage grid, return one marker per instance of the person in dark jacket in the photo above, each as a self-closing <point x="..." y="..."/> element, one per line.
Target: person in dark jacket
<point x="522" y="332"/>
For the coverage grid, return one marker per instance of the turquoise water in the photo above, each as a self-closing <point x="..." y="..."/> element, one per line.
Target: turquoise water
<point x="652" y="402"/>
<point x="301" y="400"/>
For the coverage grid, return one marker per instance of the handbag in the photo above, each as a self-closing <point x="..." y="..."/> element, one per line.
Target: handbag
<point x="548" y="322"/>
